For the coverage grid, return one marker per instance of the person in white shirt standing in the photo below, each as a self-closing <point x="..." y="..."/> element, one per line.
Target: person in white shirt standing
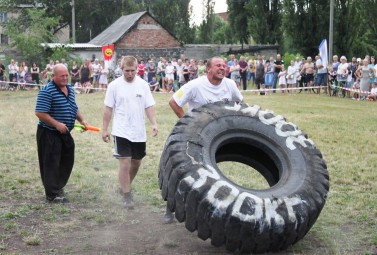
<point x="12" y="70"/>
<point x="342" y="74"/>
<point x="96" y="72"/>
<point x="321" y="78"/>
<point x="209" y="88"/>
<point x="128" y="96"/>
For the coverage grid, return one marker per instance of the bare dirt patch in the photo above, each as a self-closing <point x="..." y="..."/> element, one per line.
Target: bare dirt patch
<point x="66" y="229"/>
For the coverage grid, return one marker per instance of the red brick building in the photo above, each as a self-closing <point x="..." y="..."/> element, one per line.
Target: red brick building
<point x="139" y="34"/>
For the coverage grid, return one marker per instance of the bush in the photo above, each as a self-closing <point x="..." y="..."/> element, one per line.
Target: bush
<point x="288" y="57"/>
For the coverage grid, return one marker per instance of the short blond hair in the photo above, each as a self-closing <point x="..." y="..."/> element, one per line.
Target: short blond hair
<point x="128" y="61"/>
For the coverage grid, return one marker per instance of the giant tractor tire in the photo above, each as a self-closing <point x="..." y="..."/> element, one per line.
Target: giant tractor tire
<point x="207" y="201"/>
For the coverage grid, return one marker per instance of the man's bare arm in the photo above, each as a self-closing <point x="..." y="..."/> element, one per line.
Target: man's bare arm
<point x="176" y="108"/>
<point x="107" y="112"/>
<point x="151" y="114"/>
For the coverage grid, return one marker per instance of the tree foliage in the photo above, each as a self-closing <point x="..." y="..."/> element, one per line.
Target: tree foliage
<point x="238" y="19"/>
<point x="305" y="24"/>
<point x="173" y="15"/>
<point x="223" y="32"/>
<point x="264" y="19"/>
<point x="296" y="25"/>
<point x="28" y="31"/>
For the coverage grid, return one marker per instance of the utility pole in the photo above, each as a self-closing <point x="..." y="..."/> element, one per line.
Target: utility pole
<point x="331" y="31"/>
<point x="73" y="22"/>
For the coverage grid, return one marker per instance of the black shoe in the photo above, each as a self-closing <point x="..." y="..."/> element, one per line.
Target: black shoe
<point x="168" y="218"/>
<point x="57" y="200"/>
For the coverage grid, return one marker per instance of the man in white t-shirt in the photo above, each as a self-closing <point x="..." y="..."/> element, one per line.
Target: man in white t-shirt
<point x="206" y="89"/>
<point x="128" y="97"/>
<point x="321" y="78"/>
<point x="209" y="88"/>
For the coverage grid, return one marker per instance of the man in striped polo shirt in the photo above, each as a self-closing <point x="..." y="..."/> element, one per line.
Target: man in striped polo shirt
<point x="57" y="111"/>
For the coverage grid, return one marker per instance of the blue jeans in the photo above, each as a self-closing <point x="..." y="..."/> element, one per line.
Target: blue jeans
<point x="321" y="79"/>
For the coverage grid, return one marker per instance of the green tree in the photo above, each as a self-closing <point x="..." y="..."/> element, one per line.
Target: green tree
<point x="173" y="16"/>
<point x="264" y="20"/>
<point x="205" y="31"/>
<point x="92" y="17"/>
<point x="306" y="23"/>
<point x="223" y="32"/>
<point x="28" y="31"/>
<point x="238" y="19"/>
<point x="354" y="29"/>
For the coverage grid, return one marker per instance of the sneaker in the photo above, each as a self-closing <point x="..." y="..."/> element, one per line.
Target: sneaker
<point x="128" y="205"/>
<point x="168" y="218"/>
<point x="58" y="200"/>
<point x="128" y="201"/>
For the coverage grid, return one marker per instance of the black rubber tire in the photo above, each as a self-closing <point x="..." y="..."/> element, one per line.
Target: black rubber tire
<point x="246" y="219"/>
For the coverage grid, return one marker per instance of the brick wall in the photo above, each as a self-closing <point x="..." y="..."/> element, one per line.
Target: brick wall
<point x="148" y="34"/>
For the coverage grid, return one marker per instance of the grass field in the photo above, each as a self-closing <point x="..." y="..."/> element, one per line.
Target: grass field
<point x="344" y="130"/>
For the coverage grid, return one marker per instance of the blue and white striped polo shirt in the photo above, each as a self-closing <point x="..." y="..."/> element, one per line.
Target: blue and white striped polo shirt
<point x="53" y="101"/>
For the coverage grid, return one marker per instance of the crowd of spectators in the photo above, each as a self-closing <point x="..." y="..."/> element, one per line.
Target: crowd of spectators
<point x="351" y="79"/>
<point x="86" y="77"/>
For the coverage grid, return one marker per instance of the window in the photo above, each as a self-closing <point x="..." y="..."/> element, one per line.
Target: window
<point x="3" y="17"/>
<point x="4" y="39"/>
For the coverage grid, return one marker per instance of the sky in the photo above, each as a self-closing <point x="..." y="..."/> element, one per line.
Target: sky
<point x="220" y="6"/>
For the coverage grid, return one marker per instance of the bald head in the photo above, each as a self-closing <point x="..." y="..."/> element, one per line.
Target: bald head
<point x="58" y="68"/>
<point x="210" y="61"/>
<point x="60" y="75"/>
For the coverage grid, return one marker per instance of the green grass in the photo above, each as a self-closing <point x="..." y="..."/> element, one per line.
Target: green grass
<point x="345" y="131"/>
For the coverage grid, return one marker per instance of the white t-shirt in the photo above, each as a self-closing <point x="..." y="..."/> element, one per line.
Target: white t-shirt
<point x="298" y="64"/>
<point x="292" y="74"/>
<point x="169" y="72"/>
<point x="373" y="91"/>
<point x="200" y="91"/>
<point x="96" y="68"/>
<point x="129" y="101"/>
<point x="320" y="70"/>
<point x="342" y="72"/>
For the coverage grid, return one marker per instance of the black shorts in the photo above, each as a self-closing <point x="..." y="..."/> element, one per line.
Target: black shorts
<point x="309" y="77"/>
<point x="125" y="148"/>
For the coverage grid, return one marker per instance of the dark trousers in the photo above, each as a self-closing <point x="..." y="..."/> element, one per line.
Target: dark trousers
<point x="276" y="76"/>
<point x="244" y="80"/>
<point x="56" y="153"/>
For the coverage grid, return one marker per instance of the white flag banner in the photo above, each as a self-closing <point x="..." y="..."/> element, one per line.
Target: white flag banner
<point x="323" y="52"/>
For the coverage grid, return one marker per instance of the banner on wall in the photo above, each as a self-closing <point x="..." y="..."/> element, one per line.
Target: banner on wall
<point x="108" y="51"/>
